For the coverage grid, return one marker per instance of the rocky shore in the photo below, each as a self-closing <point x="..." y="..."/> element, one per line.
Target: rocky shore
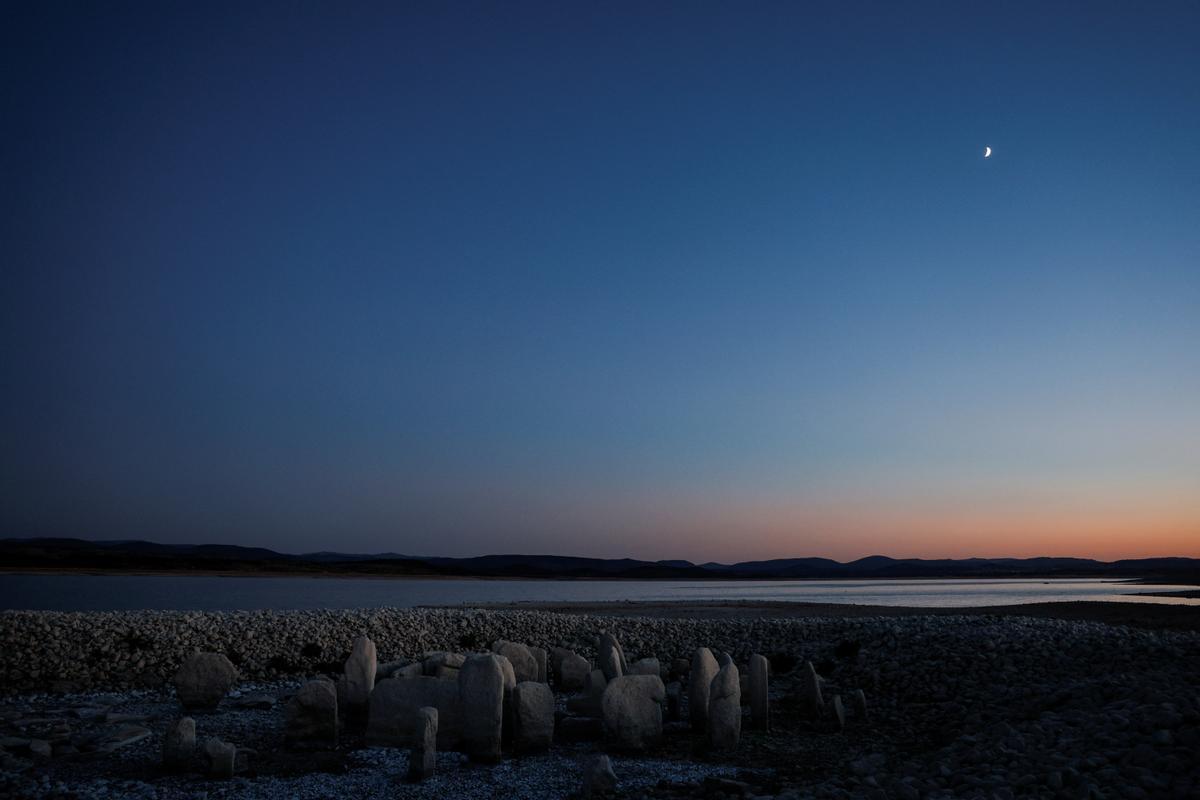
<point x="955" y="706"/>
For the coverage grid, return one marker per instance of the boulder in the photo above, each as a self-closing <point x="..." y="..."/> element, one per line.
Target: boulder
<point x="598" y="777"/>
<point x="220" y="758"/>
<point x="533" y="717"/>
<point x="609" y="656"/>
<point x="204" y="680"/>
<point x="524" y="664"/>
<point x="759" y="699"/>
<point x="394" y="704"/>
<point x="725" y="709"/>
<point x="573" y="672"/>
<point x="632" y="711"/>
<point x="481" y="685"/>
<point x="179" y="744"/>
<point x="645" y="666"/>
<point x="312" y="714"/>
<point x="704" y="669"/>
<point x="359" y="672"/>
<point x="422" y="759"/>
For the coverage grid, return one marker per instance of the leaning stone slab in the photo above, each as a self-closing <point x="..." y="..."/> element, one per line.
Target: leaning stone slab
<point x="394" y="704"/>
<point x="524" y="664"/>
<point x="204" y="680"/>
<point x="609" y="656"/>
<point x="810" y="691"/>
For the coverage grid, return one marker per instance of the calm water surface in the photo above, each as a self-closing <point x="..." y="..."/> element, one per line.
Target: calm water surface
<point x="206" y="593"/>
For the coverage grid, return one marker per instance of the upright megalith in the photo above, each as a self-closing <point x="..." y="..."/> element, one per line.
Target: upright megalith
<point x="704" y="669"/>
<point x="573" y="672"/>
<point x="543" y="664"/>
<point x="311" y="716"/>
<point x="422" y="758"/>
<point x="632" y="709"/>
<point x="609" y="656"/>
<point x="204" y="680"/>
<point x="725" y="709"/>
<point x="359" y="675"/>
<point x="524" y="663"/>
<point x="810" y="691"/>
<point x="179" y="744"/>
<point x="533" y="717"/>
<point x="481" y="686"/>
<point x="759" y="698"/>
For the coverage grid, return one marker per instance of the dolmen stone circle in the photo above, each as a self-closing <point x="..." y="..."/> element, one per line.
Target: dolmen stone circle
<point x="482" y="704"/>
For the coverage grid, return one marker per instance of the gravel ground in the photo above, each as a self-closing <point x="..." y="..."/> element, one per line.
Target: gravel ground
<point x="960" y="705"/>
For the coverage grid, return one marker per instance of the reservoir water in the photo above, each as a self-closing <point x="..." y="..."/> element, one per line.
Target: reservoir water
<point x="209" y="593"/>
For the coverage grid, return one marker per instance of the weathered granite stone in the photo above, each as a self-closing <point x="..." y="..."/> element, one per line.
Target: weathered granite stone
<point x="312" y="714"/>
<point x="525" y="666"/>
<point x="422" y="759"/>
<point x="759" y="697"/>
<point x="481" y="684"/>
<point x="725" y="709"/>
<point x="573" y="672"/>
<point x="179" y="744"/>
<point x="533" y="717"/>
<point x="598" y="777"/>
<point x="220" y="758"/>
<point x="540" y="656"/>
<point x="359" y="672"/>
<point x="839" y="712"/>
<point x="810" y="691"/>
<point x="645" y="666"/>
<point x="632" y="711"/>
<point x="704" y="669"/>
<point x="610" y="658"/>
<point x="204" y="680"/>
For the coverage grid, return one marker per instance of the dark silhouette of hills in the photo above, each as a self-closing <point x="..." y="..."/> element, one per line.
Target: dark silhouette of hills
<point x="140" y="556"/>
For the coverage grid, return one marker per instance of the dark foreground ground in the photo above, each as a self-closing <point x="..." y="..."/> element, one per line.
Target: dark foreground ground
<point x="1064" y="701"/>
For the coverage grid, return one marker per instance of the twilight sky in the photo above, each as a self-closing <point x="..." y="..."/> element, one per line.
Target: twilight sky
<point x="667" y="280"/>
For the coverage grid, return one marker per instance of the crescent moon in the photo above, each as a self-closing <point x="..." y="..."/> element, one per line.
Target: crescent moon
<point x="987" y="152"/>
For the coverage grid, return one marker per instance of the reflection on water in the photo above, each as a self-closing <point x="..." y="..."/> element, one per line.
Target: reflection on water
<point x="120" y="592"/>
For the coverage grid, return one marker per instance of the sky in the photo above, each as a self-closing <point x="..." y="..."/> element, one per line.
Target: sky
<point x="713" y="281"/>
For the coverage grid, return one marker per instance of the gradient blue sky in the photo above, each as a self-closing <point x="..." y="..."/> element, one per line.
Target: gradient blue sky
<point x="674" y="280"/>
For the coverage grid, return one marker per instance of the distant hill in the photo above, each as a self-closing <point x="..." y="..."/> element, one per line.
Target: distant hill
<point x="141" y="556"/>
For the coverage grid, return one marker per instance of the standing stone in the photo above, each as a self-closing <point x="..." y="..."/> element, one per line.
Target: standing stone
<point x="533" y="717"/>
<point x="725" y="709"/>
<point x="422" y="759"/>
<point x="632" y="711"/>
<point x="598" y="776"/>
<point x="839" y="712"/>
<point x="810" y="691"/>
<point x="312" y="714"/>
<point x="360" y="674"/>
<point x="573" y="672"/>
<point x="645" y="666"/>
<point x="554" y="661"/>
<point x="610" y="657"/>
<point x="481" y="685"/>
<point x="540" y="656"/>
<point x="704" y="669"/>
<point x="858" y="701"/>
<point x="204" y="680"/>
<point x="759" y="699"/>
<point x="221" y="758"/>
<point x="525" y="666"/>
<point x="179" y="744"/>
